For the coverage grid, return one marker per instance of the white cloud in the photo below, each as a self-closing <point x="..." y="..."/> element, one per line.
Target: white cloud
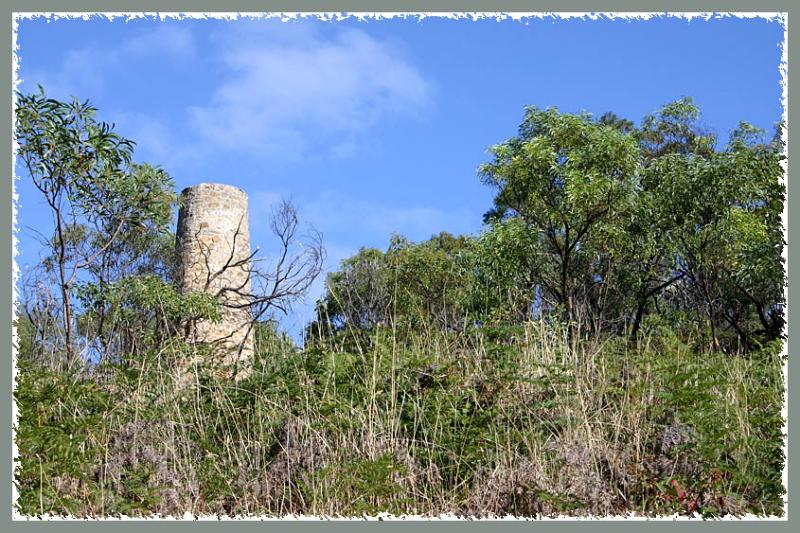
<point x="164" y="39"/>
<point x="159" y="143"/>
<point x="282" y="89"/>
<point x="86" y="70"/>
<point x="284" y="94"/>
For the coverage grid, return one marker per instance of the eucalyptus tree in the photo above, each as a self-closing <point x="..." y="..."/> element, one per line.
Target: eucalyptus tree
<point x="675" y="129"/>
<point x="670" y="139"/>
<point x="725" y="210"/>
<point x="505" y="259"/>
<point x="99" y="200"/>
<point x="707" y="233"/>
<point x="358" y="295"/>
<point x="573" y="181"/>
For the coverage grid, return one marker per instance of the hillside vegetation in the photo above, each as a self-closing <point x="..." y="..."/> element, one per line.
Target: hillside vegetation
<point x="610" y="343"/>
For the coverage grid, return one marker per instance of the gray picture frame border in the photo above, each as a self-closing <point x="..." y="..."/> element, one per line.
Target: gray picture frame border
<point x="10" y="7"/>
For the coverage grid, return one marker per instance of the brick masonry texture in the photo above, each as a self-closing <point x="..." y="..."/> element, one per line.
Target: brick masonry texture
<point x="213" y="232"/>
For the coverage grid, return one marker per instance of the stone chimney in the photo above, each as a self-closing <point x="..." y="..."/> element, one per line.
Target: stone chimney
<point x="213" y="245"/>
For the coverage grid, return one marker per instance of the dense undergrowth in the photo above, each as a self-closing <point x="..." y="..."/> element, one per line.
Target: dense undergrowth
<point x="495" y="420"/>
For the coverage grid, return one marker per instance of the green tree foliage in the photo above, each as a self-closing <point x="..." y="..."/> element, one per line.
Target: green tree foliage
<point x="709" y="229"/>
<point x="139" y="313"/>
<point x="430" y="281"/>
<point x="505" y="260"/>
<point x="411" y="285"/>
<point x="572" y="181"/>
<point x="675" y="129"/>
<point x="357" y="294"/>
<point x="105" y="208"/>
<point x="605" y="225"/>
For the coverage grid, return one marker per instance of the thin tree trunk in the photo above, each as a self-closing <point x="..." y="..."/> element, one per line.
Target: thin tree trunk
<point x="637" y="320"/>
<point x="64" y="286"/>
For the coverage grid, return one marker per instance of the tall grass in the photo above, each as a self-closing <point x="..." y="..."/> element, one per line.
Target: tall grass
<point x="493" y="420"/>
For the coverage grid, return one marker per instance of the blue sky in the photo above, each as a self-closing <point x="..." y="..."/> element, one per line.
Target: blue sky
<point x="377" y="126"/>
